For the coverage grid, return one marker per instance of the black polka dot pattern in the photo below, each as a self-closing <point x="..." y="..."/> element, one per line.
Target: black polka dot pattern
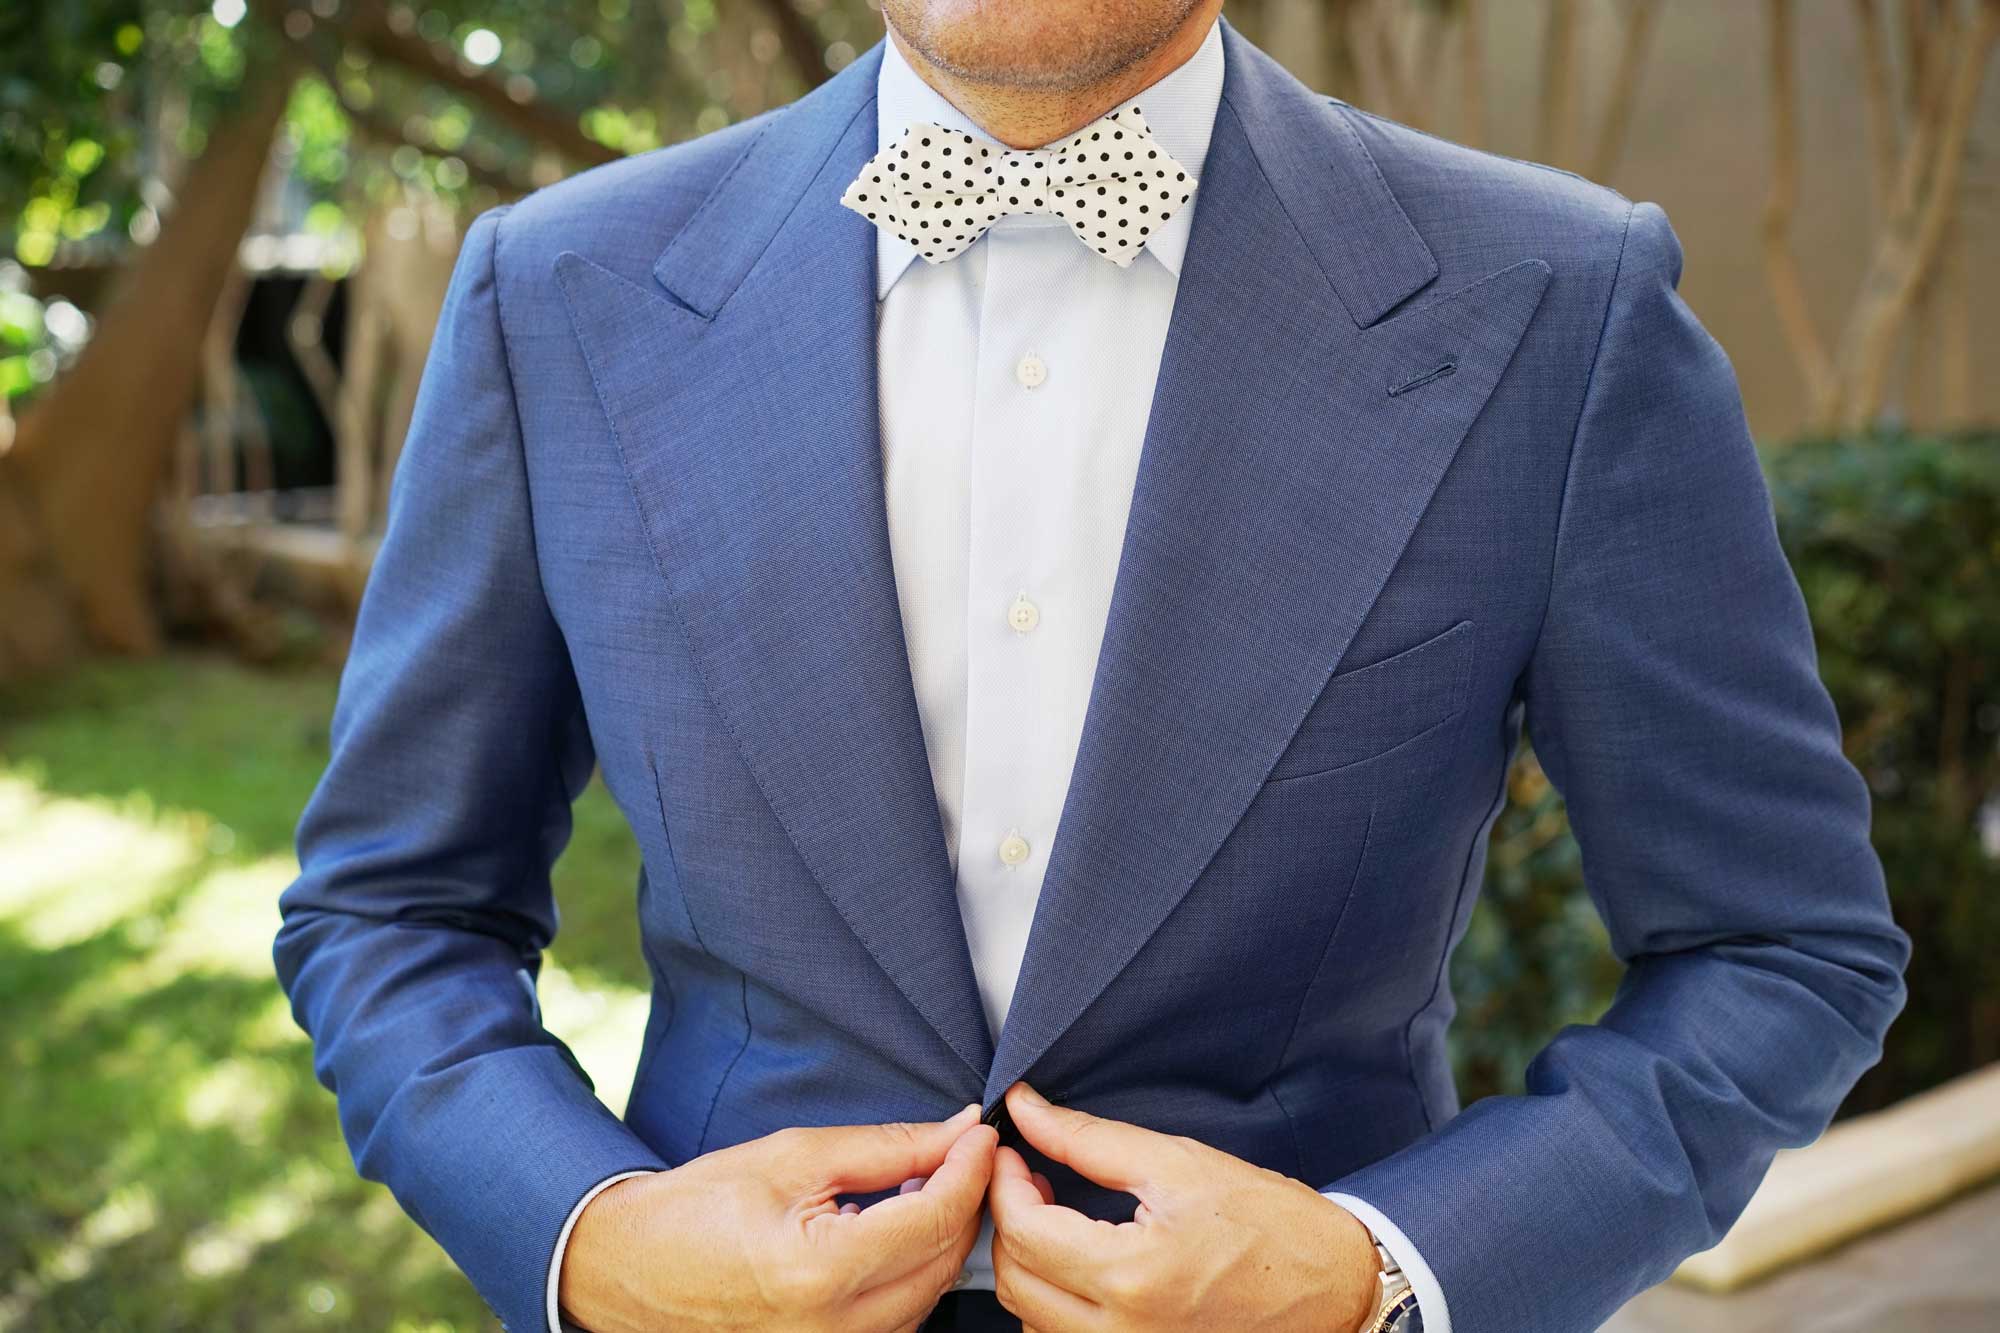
<point x="940" y="189"/>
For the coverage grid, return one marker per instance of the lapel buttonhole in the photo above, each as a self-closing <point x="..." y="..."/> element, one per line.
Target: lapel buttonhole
<point x="1436" y="373"/>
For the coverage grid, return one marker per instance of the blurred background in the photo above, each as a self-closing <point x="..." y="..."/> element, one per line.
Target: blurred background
<point x="225" y="232"/>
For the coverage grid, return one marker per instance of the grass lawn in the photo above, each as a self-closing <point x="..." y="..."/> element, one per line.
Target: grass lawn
<point x="167" y="1160"/>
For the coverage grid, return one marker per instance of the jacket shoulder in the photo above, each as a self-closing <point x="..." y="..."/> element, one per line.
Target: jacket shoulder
<point x="621" y="214"/>
<point x="1480" y="211"/>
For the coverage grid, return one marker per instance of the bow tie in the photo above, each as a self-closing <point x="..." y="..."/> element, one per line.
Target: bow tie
<point x="940" y="189"/>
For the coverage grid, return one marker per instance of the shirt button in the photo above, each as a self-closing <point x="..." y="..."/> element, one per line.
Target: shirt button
<point x="1013" y="848"/>
<point x="1031" y="371"/>
<point x="1023" y="615"/>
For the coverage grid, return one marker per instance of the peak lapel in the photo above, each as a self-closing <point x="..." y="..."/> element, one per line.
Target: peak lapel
<point x="744" y="409"/>
<point x="1278" y="483"/>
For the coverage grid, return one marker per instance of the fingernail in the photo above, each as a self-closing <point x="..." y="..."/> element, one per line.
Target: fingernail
<point x="1030" y="1096"/>
<point x="965" y="1113"/>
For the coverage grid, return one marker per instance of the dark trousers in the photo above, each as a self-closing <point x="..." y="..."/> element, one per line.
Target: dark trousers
<point x="970" y="1312"/>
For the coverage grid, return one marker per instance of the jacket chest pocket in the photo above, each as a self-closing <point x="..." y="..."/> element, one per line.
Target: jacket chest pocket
<point x="1367" y="711"/>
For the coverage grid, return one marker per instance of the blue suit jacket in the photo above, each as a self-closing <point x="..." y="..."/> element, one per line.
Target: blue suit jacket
<point x="1436" y="448"/>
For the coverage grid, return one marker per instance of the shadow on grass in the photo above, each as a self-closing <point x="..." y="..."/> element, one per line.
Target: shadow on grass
<point x="197" y="731"/>
<point x="167" y="1159"/>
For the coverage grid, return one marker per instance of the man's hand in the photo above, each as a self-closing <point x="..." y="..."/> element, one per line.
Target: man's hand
<point x="750" y="1236"/>
<point x="1214" y="1243"/>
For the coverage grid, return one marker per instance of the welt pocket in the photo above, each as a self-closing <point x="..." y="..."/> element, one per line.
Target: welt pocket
<point x="1369" y="710"/>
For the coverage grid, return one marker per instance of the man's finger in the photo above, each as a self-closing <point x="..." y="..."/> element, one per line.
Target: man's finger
<point x="859" y="1159"/>
<point x="904" y="1302"/>
<point x="1058" y="1243"/>
<point x="1039" y="1303"/>
<point x="1112" y="1153"/>
<point x="1013" y="1185"/>
<point x="905" y="1231"/>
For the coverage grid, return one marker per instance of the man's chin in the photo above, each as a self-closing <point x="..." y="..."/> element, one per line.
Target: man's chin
<point x="1042" y="45"/>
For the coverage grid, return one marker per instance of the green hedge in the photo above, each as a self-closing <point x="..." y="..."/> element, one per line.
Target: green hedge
<point x="1896" y="543"/>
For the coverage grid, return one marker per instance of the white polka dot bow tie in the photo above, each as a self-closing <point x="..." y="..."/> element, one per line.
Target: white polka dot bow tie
<point x="940" y="189"/>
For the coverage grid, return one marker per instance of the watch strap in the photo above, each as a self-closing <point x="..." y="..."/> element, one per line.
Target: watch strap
<point x="1396" y="1301"/>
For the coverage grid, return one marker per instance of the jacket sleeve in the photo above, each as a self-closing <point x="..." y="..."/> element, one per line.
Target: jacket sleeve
<point x="1674" y="700"/>
<point x="412" y="937"/>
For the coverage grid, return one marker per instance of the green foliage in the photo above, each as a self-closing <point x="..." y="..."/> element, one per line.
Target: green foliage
<point x="1535" y="956"/>
<point x="37" y="337"/>
<point x="77" y="81"/>
<point x="25" y="356"/>
<point x="194" y="733"/>
<point x="244" y="747"/>
<point x="101" y="99"/>
<point x="167" y="1159"/>
<point x="1895" y="540"/>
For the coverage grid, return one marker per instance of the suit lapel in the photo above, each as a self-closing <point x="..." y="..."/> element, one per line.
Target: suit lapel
<point x="1278" y="483"/>
<point x="740" y="385"/>
<point x="1279" y="480"/>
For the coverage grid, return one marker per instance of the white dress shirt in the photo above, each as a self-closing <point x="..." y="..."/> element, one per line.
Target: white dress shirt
<point x="1015" y="384"/>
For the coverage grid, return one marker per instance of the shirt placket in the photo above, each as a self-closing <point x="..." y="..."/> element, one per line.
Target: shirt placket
<point x="1017" y="636"/>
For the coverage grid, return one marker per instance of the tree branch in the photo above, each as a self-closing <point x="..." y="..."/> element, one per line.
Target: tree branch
<point x="1389" y="58"/>
<point x="532" y="118"/>
<point x="1788" y="293"/>
<point x="1472" y="72"/>
<point x="1617" y="124"/>
<point x="1906" y="258"/>
<point x="800" y="42"/>
<point x="374" y="127"/>
<point x="1343" y="68"/>
<point x="1955" y="358"/>
<point x="1555" y="128"/>
<point x="1428" y="59"/>
<point x="1880" y="101"/>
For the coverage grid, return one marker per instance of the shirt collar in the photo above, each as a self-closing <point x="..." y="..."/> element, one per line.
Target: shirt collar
<point x="1179" y="110"/>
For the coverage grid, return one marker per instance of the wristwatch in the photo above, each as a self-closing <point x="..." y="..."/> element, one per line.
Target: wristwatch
<point x="1396" y="1304"/>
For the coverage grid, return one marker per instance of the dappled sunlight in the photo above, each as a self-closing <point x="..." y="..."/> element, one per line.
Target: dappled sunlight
<point x="127" y="1213"/>
<point x="162" y="1122"/>
<point x="228" y="1245"/>
<point x="49" y="847"/>
<point x="242" y="1096"/>
<point x="604" y="1025"/>
<point x="228" y="921"/>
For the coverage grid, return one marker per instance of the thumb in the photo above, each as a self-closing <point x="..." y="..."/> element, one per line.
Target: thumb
<point x="887" y="1239"/>
<point x="856" y="1159"/>
<point x="1112" y="1153"/>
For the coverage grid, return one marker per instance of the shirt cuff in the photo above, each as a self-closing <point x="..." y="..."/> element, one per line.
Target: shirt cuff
<point x="562" y="1241"/>
<point x="1430" y="1296"/>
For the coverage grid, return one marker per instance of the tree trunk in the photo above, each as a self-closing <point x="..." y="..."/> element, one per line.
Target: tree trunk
<point x="38" y="626"/>
<point x="1640" y="20"/>
<point x="1555" y="123"/>
<point x="1295" y="32"/>
<point x="1875" y="85"/>
<point x="90" y="454"/>
<point x="1472" y="74"/>
<point x="800" y="42"/>
<point x="376" y="28"/>
<point x="1909" y="250"/>
<point x="1788" y="288"/>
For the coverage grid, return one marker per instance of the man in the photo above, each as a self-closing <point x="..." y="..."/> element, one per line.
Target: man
<point x="1062" y="690"/>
